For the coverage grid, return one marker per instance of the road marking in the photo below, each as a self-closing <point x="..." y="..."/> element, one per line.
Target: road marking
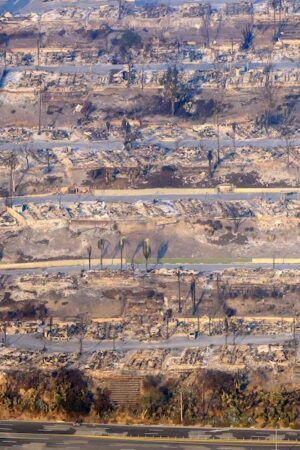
<point x="224" y="442"/>
<point x="262" y="436"/>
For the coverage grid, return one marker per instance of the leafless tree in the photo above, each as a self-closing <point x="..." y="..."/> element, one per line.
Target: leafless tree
<point x="207" y="14"/>
<point x="235" y="215"/>
<point x="45" y="156"/>
<point x="126" y="127"/>
<point x="251" y="11"/>
<point x="120" y="7"/>
<point x="268" y="97"/>
<point x="277" y="7"/>
<point x="268" y="88"/>
<point x="11" y="161"/>
<point x="234" y="330"/>
<point x="286" y="129"/>
<point x="26" y="153"/>
<point x="219" y="96"/>
<point x="234" y="127"/>
<point x="247" y="37"/>
<point x="210" y="158"/>
<point x="173" y="90"/>
<point x="4" y="329"/>
<point x="226" y="327"/>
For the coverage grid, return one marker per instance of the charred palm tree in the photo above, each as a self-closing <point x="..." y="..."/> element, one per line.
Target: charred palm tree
<point x="146" y="252"/>
<point x="121" y="247"/>
<point x="89" y="252"/>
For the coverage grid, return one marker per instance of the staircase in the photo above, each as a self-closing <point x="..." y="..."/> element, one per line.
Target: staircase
<point x="125" y="390"/>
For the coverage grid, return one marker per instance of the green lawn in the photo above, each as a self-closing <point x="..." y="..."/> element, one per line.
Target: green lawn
<point x="194" y="260"/>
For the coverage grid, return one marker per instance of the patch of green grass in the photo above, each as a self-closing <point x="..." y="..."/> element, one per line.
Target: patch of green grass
<point x="194" y="260"/>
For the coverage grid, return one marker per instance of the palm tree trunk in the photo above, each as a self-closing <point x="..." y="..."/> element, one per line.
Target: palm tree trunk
<point x="173" y="107"/>
<point x="209" y="168"/>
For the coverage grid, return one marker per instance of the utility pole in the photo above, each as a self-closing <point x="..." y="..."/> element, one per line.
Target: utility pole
<point x="234" y="331"/>
<point x="40" y="106"/>
<point x="50" y="327"/>
<point x="218" y="139"/>
<point x="181" y="407"/>
<point x="11" y="184"/>
<point x="59" y="194"/>
<point x="114" y="340"/>
<point x="218" y="288"/>
<point x="5" y="334"/>
<point x="81" y="335"/>
<point x="294" y="329"/>
<point x="226" y="329"/>
<point x="80" y="346"/>
<point x="193" y="294"/>
<point x="38" y="50"/>
<point x="89" y="252"/>
<point x="143" y="76"/>
<point x="38" y="42"/>
<point x="44" y="339"/>
<point x="179" y="290"/>
<point x="119" y="9"/>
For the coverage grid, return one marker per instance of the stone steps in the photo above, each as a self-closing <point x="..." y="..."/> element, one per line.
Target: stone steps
<point x="125" y="390"/>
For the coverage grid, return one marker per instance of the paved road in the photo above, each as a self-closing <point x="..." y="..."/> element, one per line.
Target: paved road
<point x="67" y="199"/>
<point x="106" y="68"/>
<point x="122" y="437"/>
<point x="115" y="144"/>
<point x="30" y="342"/>
<point x="39" y="442"/>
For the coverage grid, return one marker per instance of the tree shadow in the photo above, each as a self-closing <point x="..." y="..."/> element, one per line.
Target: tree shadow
<point x="162" y="251"/>
<point x="136" y="251"/>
